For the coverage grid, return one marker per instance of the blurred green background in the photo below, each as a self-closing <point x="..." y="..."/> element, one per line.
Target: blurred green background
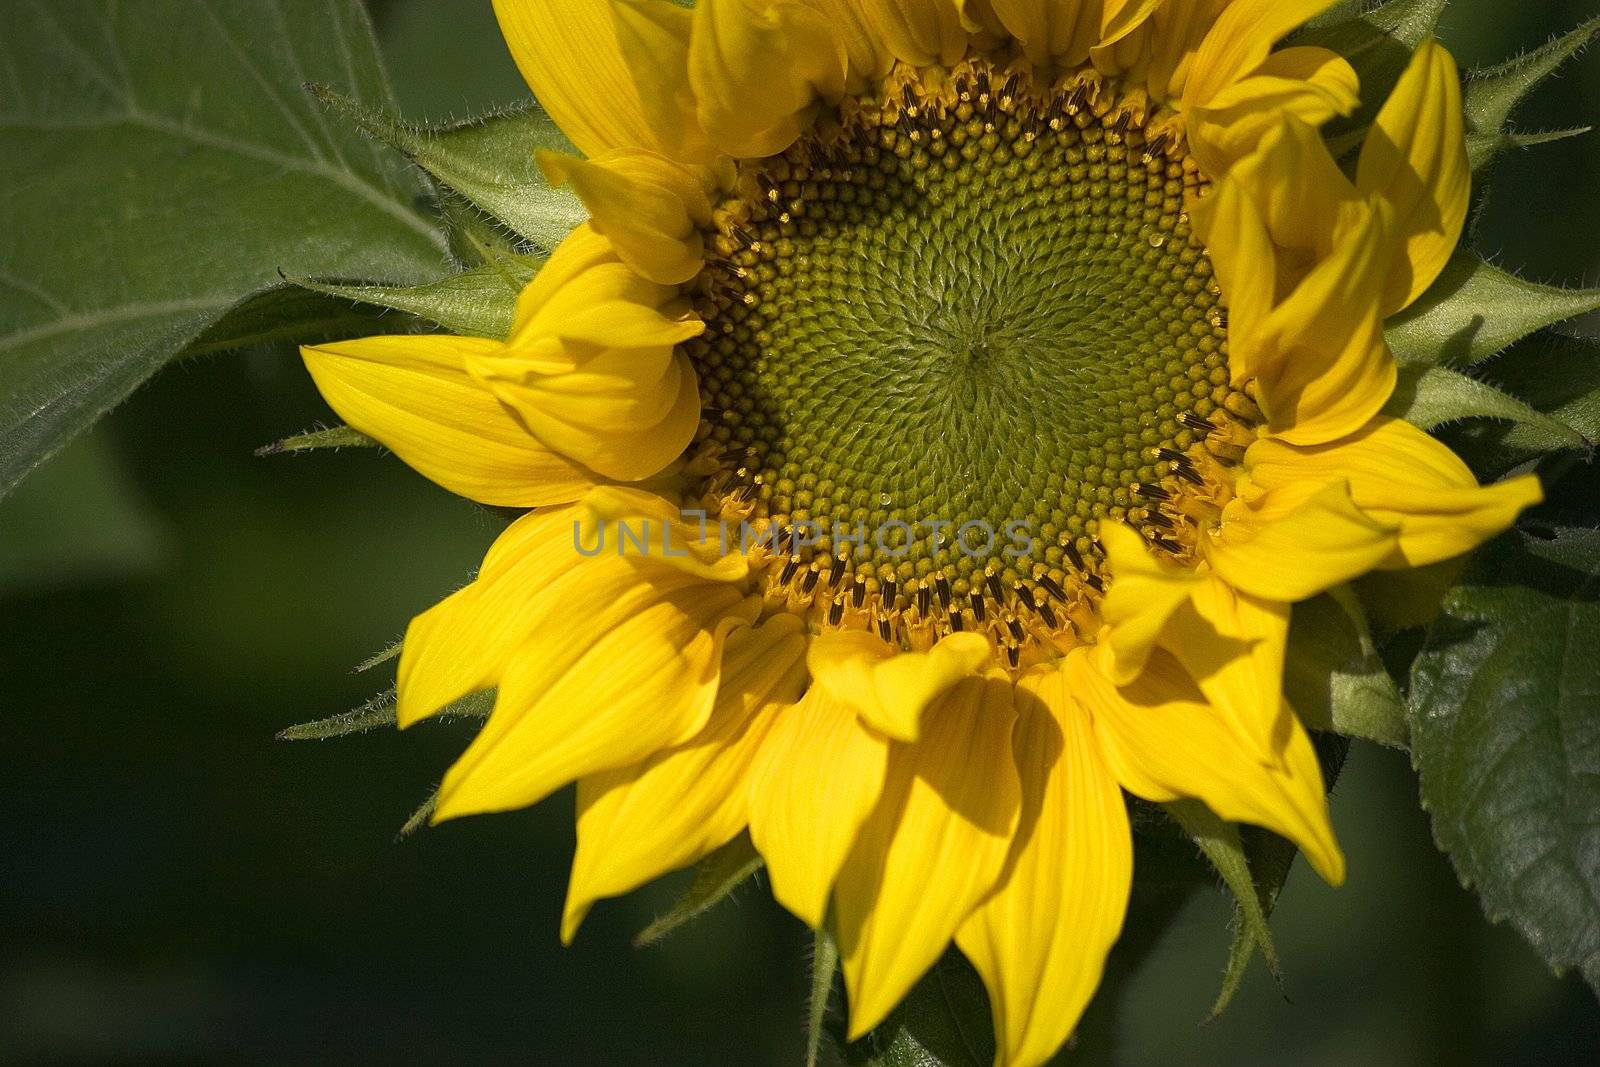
<point x="178" y="886"/>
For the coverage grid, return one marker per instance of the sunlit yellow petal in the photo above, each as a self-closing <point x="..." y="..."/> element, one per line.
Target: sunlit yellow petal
<point x="1246" y="266"/>
<point x="1163" y="743"/>
<point x="415" y="396"/>
<point x="815" y="780"/>
<point x="919" y="32"/>
<point x="888" y="687"/>
<point x="1239" y="43"/>
<point x="588" y="694"/>
<point x="931" y="851"/>
<point x="651" y="209"/>
<point x="758" y="68"/>
<point x="655" y="36"/>
<point x="1312" y="85"/>
<point x="1145" y="593"/>
<point x="1324" y="368"/>
<point x="1415" y="158"/>
<point x="1401" y="476"/>
<point x="593" y="370"/>
<point x="462" y="645"/>
<point x="1296" y="541"/>
<point x="637" y="823"/>
<point x="570" y="56"/>
<point x="1040" y="941"/>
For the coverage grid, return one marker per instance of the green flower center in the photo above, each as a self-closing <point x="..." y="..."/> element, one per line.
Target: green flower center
<point x="963" y="323"/>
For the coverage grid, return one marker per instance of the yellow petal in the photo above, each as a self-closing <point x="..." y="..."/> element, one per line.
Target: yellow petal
<point x="1060" y="31"/>
<point x="1401" y="476"/>
<point x="593" y="369"/>
<point x="1040" y="941"/>
<point x="1302" y="196"/>
<point x="651" y="209"/>
<point x="655" y="35"/>
<point x="888" y="687"/>
<point x="1163" y="743"/>
<point x="1246" y="264"/>
<point x="637" y="823"/>
<point x="935" y="846"/>
<point x="1296" y="541"/>
<point x="868" y="58"/>
<point x="816" y="779"/>
<point x="922" y="33"/>
<point x="1310" y="84"/>
<point x="462" y="645"/>
<point x="1144" y="595"/>
<point x="591" y="694"/>
<point x="1239" y="42"/>
<point x="1232" y="644"/>
<point x="1121" y="17"/>
<point x="1415" y="158"/>
<point x="614" y="411"/>
<point x="415" y="396"/>
<point x="758" y="68"/>
<point x="571" y="57"/>
<point x="1324" y="366"/>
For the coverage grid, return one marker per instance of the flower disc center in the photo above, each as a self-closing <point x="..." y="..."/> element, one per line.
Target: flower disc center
<point x="961" y="321"/>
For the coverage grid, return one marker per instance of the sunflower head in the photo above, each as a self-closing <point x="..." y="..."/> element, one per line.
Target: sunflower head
<point x="968" y="391"/>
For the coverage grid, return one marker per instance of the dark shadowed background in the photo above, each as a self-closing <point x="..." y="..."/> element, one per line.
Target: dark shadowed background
<point x="179" y="886"/>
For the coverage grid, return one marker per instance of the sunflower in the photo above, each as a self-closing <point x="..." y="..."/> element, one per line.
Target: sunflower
<point x="924" y="442"/>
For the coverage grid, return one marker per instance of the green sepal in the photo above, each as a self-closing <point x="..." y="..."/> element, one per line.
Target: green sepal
<point x="824" y="966"/>
<point x="1505" y="721"/>
<point x="1334" y="676"/>
<point x="1269" y="858"/>
<point x="1430" y="397"/>
<point x="481" y="302"/>
<point x="1476" y="310"/>
<point x="718" y="875"/>
<point x="419" y="818"/>
<point x="380" y="713"/>
<point x="313" y="440"/>
<point x="1490" y="96"/>
<point x="486" y="161"/>
<point x="1220" y="843"/>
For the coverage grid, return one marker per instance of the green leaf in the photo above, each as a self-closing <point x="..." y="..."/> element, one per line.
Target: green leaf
<point x="488" y="161"/>
<point x="288" y="313"/>
<point x="1505" y="721"/>
<point x="1475" y="310"/>
<point x="824" y="966"/>
<point x="1429" y="397"/>
<point x="476" y="303"/>
<point x="160" y="165"/>
<point x="1334" y="676"/>
<point x="1491" y="96"/>
<point x="718" y="875"/>
<point x="312" y="440"/>
<point x="1220" y="843"/>
<point x="379" y="713"/>
<point x="943" y="1022"/>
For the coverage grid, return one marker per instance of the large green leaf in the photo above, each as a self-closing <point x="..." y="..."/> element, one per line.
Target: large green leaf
<point x="159" y="163"/>
<point x="1505" y="722"/>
